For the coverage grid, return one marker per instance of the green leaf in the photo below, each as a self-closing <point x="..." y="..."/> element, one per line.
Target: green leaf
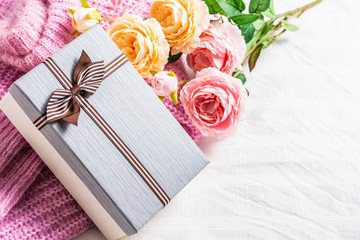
<point x="85" y="4"/>
<point x="259" y="23"/>
<point x="244" y="18"/>
<point x="174" y="58"/>
<point x="210" y="4"/>
<point x="238" y="3"/>
<point x="266" y="42"/>
<point x="242" y="77"/>
<point x="172" y="74"/>
<point x="95" y="15"/>
<point x="260" y="34"/>
<point x="211" y="9"/>
<point x="258" y="6"/>
<point x="76" y="32"/>
<point x="173" y="97"/>
<point x="254" y="57"/>
<point x="247" y="30"/>
<point x="224" y="7"/>
<point x="161" y="98"/>
<point x="270" y="12"/>
<point x="71" y="11"/>
<point x="288" y="26"/>
<point x="153" y="72"/>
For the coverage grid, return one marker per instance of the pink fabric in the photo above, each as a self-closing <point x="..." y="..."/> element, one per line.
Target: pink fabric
<point x="33" y="203"/>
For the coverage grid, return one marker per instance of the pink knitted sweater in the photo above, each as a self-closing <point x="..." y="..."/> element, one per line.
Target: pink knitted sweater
<point x="33" y="203"/>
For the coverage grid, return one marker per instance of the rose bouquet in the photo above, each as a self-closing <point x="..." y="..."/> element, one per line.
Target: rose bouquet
<point x="214" y="37"/>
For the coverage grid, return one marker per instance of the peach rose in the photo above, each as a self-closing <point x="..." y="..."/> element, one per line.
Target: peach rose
<point x="143" y="42"/>
<point x="221" y="46"/>
<point x="182" y="22"/>
<point x="215" y="101"/>
<point x="85" y="18"/>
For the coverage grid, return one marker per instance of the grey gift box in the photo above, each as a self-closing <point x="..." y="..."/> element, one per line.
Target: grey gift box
<point x="131" y="108"/>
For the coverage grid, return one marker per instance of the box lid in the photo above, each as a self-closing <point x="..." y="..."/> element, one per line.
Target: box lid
<point x="138" y="117"/>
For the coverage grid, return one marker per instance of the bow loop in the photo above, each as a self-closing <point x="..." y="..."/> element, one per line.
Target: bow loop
<point x="87" y="78"/>
<point x="91" y="77"/>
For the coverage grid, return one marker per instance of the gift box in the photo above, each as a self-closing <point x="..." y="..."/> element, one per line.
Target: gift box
<point x="104" y="133"/>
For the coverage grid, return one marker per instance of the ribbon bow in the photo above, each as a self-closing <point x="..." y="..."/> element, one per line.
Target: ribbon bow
<point x="87" y="78"/>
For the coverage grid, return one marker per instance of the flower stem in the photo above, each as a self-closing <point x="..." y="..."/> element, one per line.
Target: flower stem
<point x="236" y="73"/>
<point x="183" y="82"/>
<point x="285" y="15"/>
<point x="248" y="53"/>
<point x="278" y="35"/>
<point x="107" y="19"/>
<point x="298" y="10"/>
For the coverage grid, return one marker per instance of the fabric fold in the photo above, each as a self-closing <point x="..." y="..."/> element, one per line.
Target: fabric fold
<point x="21" y="34"/>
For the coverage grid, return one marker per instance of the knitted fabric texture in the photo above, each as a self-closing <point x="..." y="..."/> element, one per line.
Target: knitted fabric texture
<point x="45" y="211"/>
<point x="33" y="203"/>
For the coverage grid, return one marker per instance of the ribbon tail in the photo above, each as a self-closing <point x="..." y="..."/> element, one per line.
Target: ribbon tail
<point x="73" y="116"/>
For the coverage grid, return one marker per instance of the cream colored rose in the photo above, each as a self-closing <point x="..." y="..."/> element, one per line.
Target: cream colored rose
<point x="143" y="42"/>
<point x="182" y="21"/>
<point x="83" y="19"/>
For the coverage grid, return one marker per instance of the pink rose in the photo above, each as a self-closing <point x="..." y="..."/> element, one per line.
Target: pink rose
<point x="215" y="101"/>
<point x="164" y="84"/>
<point x="221" y="46"/>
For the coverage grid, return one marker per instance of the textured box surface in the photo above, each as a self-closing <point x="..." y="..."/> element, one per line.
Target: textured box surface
<point x="130" y="107"/>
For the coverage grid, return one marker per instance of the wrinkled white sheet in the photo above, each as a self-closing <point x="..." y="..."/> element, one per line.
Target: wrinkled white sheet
<point x="292" y="169"/>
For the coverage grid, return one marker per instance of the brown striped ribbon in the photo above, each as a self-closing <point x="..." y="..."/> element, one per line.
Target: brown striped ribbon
<point x="100" y="122"/>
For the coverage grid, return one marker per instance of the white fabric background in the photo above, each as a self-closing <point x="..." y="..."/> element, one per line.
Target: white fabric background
<point x="292" y="168"/>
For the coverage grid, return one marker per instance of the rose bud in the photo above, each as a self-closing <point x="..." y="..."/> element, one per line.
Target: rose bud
<point x="85" y="18"/>
<point x="165" y="84"/>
